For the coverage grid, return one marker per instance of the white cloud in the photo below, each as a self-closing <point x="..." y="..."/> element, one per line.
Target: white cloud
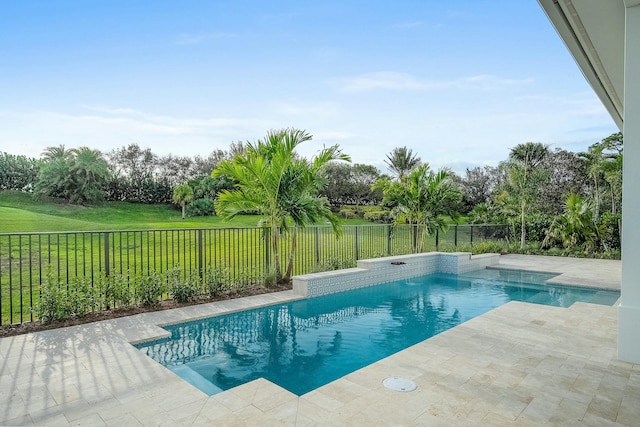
<point x="390" y="80"/>
<point x="292" y="108"/>
<point x="107" y="128"/>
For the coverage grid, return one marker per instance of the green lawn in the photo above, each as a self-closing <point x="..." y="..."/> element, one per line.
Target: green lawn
<point x="20" y="212"/>
<point x="80" y="242"/>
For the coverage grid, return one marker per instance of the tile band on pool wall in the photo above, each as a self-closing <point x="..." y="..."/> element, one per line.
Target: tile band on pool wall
<point x="381" y="270"/>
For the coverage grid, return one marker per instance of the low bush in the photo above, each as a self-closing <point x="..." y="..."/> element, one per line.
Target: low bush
<point x="53" y="300"/>
<point x="349" y="212"/>
<point x="115" y="291"/>
<point x="215" y="281"/>
<point x="269" y="279"/>
<point x="334" y="263"/>
<point x="200" y="207"/>
<point x="182" y="289"/>
<point x="82" y="298"/>
<point x="149" y="289"/>
<point x="59" y="301"/>
<point x="379" y="216"/>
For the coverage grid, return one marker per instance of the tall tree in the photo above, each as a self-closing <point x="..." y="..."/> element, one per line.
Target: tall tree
<point x="279" y="185"/>
<point x="477" y="186"/>
<point x="424" y="199"/>
<point x="349" y="184"/>
<point x="567" y="174"/>
<point x="18" y="172"/>
<point x="524" y="180"/>
<point x="133" y="161"/>
<point x="203" y="166"/>
<point x="176" y="169"/>
<point x="604" y="163"/>
<point x="182" y="195"/>
<point x="401" y="161"/>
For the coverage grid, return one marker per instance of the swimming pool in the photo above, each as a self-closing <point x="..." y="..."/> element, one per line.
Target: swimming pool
<point x="305" y="344"/>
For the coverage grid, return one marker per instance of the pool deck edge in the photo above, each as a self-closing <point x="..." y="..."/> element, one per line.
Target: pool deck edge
<point x="518" y="364"/>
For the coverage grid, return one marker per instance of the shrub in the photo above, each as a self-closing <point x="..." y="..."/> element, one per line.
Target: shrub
<point x="59" y="301"/>
<point x="182" y="290"/>
<point x="611" y="233"/>
<point x="348" y="212"/>
<point x="269" y="279"/>
<point x="536" y="227"/>
<point x="334" y="263"/>
<point x="149" y="289"/>
<point x="379" y="216"/>
<point x="115" y="291"/>
<point x="53" y="300"/>
<point x="200" y="207"/>
<point x="81" y="297"/>
<point x="215" y="281"/>
<point x="245" y="278"/>
<point x="482" y="247"/>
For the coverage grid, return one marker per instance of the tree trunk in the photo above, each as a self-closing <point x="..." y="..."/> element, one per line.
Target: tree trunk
<point x="620" y="232"/>
<point x="182" y="209"/>
<point x="276" y="253"/>
<point x="289" y="272"/>
<point x="596" y="214"/>
<point x="523" y="225"/>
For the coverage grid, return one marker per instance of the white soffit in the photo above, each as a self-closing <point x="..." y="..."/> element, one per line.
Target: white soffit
<point x="593" y="31"/>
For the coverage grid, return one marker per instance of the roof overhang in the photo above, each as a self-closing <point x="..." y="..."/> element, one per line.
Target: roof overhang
<point x="594" y="31"/>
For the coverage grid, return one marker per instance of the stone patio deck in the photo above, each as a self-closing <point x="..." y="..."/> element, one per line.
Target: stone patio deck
<point x="519" y="364"/>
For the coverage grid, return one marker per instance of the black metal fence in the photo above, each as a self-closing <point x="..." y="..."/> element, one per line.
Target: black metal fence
<point x="26" y="258"/>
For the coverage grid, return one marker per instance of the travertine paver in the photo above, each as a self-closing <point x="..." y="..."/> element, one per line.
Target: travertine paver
<point x="599" y="273"/>
<point x="518" y="364"/>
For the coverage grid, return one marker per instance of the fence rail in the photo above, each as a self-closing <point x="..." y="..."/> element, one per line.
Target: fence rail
<point x="26" y="258"/>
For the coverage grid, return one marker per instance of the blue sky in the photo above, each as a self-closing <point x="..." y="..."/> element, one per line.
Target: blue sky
<point x="459" y="82"/>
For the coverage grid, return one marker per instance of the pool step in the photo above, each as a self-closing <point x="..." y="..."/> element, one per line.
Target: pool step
<point x="195" y="379"/>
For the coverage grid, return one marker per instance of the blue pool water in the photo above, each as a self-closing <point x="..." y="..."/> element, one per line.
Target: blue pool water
<point x="305" y="344"/>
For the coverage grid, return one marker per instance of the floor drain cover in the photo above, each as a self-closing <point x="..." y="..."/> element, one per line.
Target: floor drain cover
<point x="399" y="384"/>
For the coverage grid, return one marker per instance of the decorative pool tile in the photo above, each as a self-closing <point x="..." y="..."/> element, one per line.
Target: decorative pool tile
<point x="382" y="270"/>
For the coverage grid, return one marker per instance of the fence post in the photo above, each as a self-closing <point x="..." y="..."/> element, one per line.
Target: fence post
<point x="471" y="234"/>
<point x="388" y="239"/>
<point x="200" y="268"/>
<point x="267" y="252"/>
<point x="317" y="245"/>
<point x="357" y="247"/>
<point x="107" y="266"/>
<point x="437" y="240"/>
<point x="455" y="235"/>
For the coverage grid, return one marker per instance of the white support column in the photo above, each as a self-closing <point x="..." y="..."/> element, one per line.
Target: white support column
<point x="629" y="310"/>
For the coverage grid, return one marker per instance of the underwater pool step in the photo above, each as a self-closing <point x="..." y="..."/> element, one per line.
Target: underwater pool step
<point x="195" y="379"/>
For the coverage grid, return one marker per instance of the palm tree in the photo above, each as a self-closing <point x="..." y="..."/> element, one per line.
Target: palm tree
<point x="78" y="175"/>
<point x="57" y="153"/>
<point x="596" y="160"/>
<point x="424" y="199"/>
<point x="182" y="195"/>
<point x="604" y="162"/>
<point x="401" y="161"/>
<point x="90" y="172"/>
<point x="282" y="187"/>
<point x="576" y="226"/>
<point x="524" y="178"/>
